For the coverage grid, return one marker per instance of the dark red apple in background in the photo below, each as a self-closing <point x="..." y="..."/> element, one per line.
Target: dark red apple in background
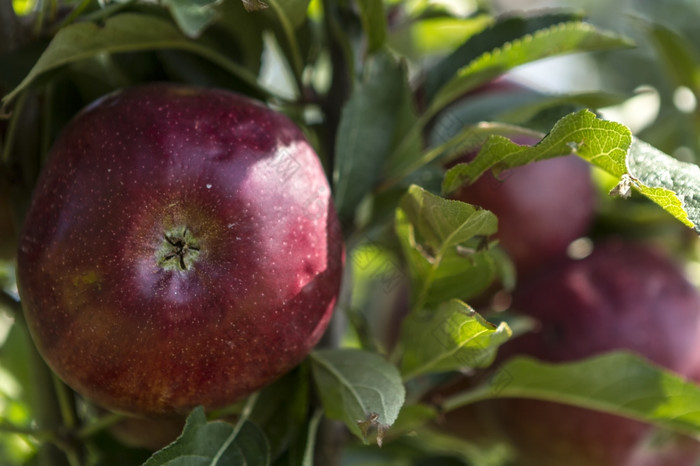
<point x="541" y="207"/>
<point x="181" y="249"/>
<point x="623" y="296"/>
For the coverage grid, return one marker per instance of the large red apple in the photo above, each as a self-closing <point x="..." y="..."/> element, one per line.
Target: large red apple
<point x="623" y="296"/>
<point x="181" y="249"/>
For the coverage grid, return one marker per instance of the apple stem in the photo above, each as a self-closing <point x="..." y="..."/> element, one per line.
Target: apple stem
<point x="341" y="81"/>
<point x="179" y="250"/>
<point x="480" y="393"/>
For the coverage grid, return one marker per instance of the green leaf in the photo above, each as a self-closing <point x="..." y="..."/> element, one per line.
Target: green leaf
<point x="604" y="143"/>
<point x="373" y="22"/>
<point x="513" y="106"/>
<point x="504" y="31"/>
<point x="214" y="443"/>
<point x="407" y="143"/>
<point x="193" y="16"/>
<point x="444" y="223"/>
<point x="127" y="32"/>
<point x="453" y="337"/>
<point x="676" y="53"/>
<point x="366" y="130"/>
<point x="293" y="10"/>
<point x="672" y="184"/>
<point x="282" y="408"/>
<point x="435" y="35"/>
<point x="358" y="387"/>
<point x="442" y="241"/>
<point x="620" y="383"/>
<point x="234" y="26"/>
<point x="554" y="40"/>
<point x="15" y="358"/>
<point x="414" y="416"/>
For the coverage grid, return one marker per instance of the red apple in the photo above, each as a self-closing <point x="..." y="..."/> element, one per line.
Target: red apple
<point x="181" y="249"/>
<point x="541" y="207"/>
<point x="149" y="433"/>
<point x="623" y="296"/>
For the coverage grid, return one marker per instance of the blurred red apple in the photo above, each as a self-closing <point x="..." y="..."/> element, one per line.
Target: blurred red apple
<point x="181" y="249"/>
<point x="541" y="207"/>
<point x="622" y="296"/>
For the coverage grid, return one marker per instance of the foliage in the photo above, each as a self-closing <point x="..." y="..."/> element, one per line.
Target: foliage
<point x="379" y="98"/>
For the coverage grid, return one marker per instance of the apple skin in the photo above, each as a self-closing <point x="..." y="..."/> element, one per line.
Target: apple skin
<point x="541" y="207"/>
<point x="623" y="296"/>
<point x="149" y="433"/>
<point x="181" y="249"/>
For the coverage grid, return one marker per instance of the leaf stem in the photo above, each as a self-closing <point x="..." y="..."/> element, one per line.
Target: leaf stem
<point x="296" y="62"/>
<point x="99" y="424"/>
<point x="66" y="403"/>
<point x="242" y="419"/>
<point x="42" y="435"/>
<point x="480" y="393"/>
<point x="40" y="17"/>
<point x="312" y="431"/>
<point x="47" y="413"/>
<point x="12" y="128"/>
<point x="75" y="12"/>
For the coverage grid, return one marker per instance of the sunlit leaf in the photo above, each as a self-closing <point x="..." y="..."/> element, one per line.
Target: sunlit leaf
<point x="442" y="241"/>
<point x="214" y="443"/>
<point x="358" y="387"/>
<point x="453" y="337"/>
<point x="374" y="23"/>
<point x="672" y="184"/>
<point x="432" y="36"/>
<point x="503" y="31"/>
<point x="618" y="382"/>
<point x="555" y="40"/>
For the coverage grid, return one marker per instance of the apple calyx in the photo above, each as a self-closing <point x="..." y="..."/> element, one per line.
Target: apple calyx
<point x="179" y="250"/>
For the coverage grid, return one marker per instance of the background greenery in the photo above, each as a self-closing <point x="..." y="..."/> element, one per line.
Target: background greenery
<point x="373" y="86"/>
